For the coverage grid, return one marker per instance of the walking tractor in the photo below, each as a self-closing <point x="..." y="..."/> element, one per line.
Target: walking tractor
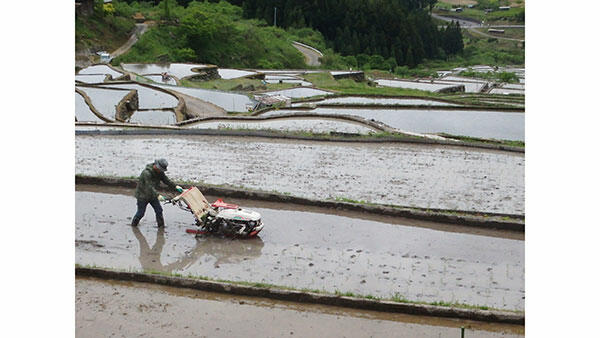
<point x="218" y="218"/>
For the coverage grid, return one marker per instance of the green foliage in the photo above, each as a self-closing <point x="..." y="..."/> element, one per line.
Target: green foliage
<point x="513" y="14"/>
<point x="400" y="29"/>
<point x="500" y="76"/>
<point x="215" y="33"/>
<point x="100" y="31"/>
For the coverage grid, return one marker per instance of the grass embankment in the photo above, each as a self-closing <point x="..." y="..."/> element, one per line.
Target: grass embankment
<point x="396" y="298"/>
<point x="102" y="32"/>
<point x="215" y="33"/>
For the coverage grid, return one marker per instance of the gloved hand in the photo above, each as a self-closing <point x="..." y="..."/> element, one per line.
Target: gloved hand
<point x="161" y="198"/>
<point x="179" y="189"/>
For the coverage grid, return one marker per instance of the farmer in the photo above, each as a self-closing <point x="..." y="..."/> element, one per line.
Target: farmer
<point x="146" y="191"/>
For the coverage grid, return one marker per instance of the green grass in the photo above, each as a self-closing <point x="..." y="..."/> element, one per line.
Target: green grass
<point x="102" y="33"/>
<point x="511" y="143"/>
<point x="396" y="298"/>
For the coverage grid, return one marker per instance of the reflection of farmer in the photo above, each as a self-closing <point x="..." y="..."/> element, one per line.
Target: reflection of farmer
<point x="150" y="257"/>
<point x="145" y="192"/>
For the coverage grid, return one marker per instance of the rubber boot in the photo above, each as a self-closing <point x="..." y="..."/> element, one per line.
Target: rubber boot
<point x="160" y="221"/>
<point x="135" y="222"/>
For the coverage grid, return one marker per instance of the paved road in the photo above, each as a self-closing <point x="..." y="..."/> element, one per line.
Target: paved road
<point x="310" y="54"/>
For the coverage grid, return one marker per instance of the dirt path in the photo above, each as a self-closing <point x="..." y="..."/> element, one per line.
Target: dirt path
<point x="200" y="108"/>
<point x="127" y="309"/>
<point x="424" y="176"/>
<point x="140" y="28"/>
<point x="312" y="250"/>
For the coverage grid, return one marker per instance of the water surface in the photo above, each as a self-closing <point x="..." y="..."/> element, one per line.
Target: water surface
<point x="149" y="98"/>
<point x="180" y="70"/>
<point x="299" y="92"/>
<point x="100" y="69"/>
<point x="92" y="78"/>
<point x="229" y="101"/>
<point x="229" y="74"/>
<point x="105" y="100"/>
<point x="153" y="117"/>
<point x="83" y="113"/>
<point x="300" y="124"/>
<point x="308" y="250"/>
<point x="485" y="124"/>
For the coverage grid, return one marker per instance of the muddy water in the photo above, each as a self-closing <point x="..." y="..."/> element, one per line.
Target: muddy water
<point x="105" y="100"/>
<point x="310" y="125"/>
<point x="485" y="124"/>
<point x="153" y="117"/>
<point x="303" y="249"/>
<point x="401" y="174"/>
<point x="149" y="98"/>
<point x="228" y="101"/>
<point x="83" y="113"/>
<point x="129" y="309"/>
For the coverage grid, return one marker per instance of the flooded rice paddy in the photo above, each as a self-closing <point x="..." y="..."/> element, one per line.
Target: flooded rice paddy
<point x="149" y="98"/>
<point x="100" y="69"/>
<point x="92" y="78"/>
<point x="100" y="306"/>
<point x="485" y="124"/>
<point x="423" y="176"/>
<point x="153" y="117"/>
<point x="308" y="250"/>
<point x="297" y="82"/>
<point x="313" y="125"/>
<point x="180" y="70"/>
<point x="229" y="101"/>
<point x="105" y="100"/>
<point x="229" y="74"/>
<point x="432" y="87"/>
<point x="375" y="101"/>
<point x="514" y="86"/>
<point x="470" y="87"/>
<point x="299" y="92"/>
<point x="83" y="113"/>
<point x="159" y="79"/>
<point x="507" y="91"/>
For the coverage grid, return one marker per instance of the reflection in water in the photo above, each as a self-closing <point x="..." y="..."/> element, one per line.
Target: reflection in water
<point x="228" y="251"/>
<point x="224" y="250"/>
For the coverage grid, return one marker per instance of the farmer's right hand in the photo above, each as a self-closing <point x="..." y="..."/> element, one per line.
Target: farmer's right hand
<point x="161" y="198"/>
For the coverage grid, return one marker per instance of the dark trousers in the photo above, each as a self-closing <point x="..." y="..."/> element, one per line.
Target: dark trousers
<point x="141" y="209"/>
